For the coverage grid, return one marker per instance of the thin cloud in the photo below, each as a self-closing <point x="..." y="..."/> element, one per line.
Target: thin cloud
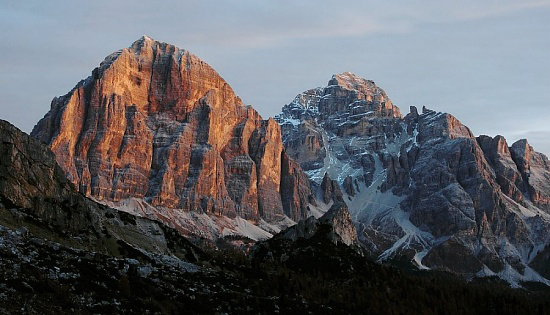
<point x="486" y="10"/>
<point x="248" y="24"/>
<point x="275" y="25"/>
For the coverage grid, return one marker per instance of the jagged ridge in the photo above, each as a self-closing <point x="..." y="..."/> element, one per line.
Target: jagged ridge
<point x="422" y="186"/>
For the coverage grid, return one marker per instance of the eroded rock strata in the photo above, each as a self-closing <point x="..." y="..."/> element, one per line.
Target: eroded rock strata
<point x="423" y="187"/>
<point x="155" y="123"/>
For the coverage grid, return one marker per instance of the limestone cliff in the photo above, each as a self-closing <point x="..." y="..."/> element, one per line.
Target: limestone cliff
<point x="422" y="187"/>
<point x="156" y="123"/>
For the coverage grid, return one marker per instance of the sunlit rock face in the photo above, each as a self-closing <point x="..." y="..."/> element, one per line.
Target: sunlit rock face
<point x="38" y="201"/>
<point x="156" y="123"/>
<point x="423" y="187"/>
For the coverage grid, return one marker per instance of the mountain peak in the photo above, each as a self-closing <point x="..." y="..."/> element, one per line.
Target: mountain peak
<point x="156" y="123"/>
<point x="144" y="37"/>
<point x="425" y="171"/>
<point x="350" y="94"/>
<point x="351" y="81"/>
<point x="141" y="41"/>
<point x="145" y="42"/>
<point x="347" y="76"/>
<point x="148" y="39"/>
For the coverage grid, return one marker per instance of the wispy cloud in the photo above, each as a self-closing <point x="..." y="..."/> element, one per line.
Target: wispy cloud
<point x="259" y="24"/>
<point x="270" y="24"/>
<point x="487" y="9"/>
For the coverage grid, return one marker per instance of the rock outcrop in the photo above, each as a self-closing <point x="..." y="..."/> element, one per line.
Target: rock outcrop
<point x="498" y="155"/>
<point x="155" y="123"/>
<point x="330" y="190"/>
<point x="423" y="186"/>
<point x="535" y="171"/>
<point x="337" y="220"/>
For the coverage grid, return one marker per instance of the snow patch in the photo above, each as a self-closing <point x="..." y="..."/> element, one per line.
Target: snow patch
<point x="292" y="121"/>
<point x="245" y="228"/>
<point x="201" y="224"/>
<point x="513" y="277"/>
<point x="320" y="209"/>
<point x="418" y="258"/>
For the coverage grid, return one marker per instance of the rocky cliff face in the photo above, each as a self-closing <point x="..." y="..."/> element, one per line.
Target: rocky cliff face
<point x="337" y="220"/>
<point x="422" y="186"/>
<point x="157" y="125"/>
<point x="36" y="198"/>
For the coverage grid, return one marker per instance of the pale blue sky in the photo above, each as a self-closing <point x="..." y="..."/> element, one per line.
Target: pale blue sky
<point x="486" y="62"/>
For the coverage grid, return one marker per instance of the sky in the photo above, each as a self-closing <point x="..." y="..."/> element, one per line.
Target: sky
<point x="486" y="62"/>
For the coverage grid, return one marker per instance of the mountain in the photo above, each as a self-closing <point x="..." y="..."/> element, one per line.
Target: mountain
<point x="64" y="252"/>
<point x="422" y="188"/>
<point x="157" y="132"/>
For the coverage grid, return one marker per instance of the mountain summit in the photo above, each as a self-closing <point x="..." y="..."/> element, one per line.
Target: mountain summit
<point x="155" y="128"/>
